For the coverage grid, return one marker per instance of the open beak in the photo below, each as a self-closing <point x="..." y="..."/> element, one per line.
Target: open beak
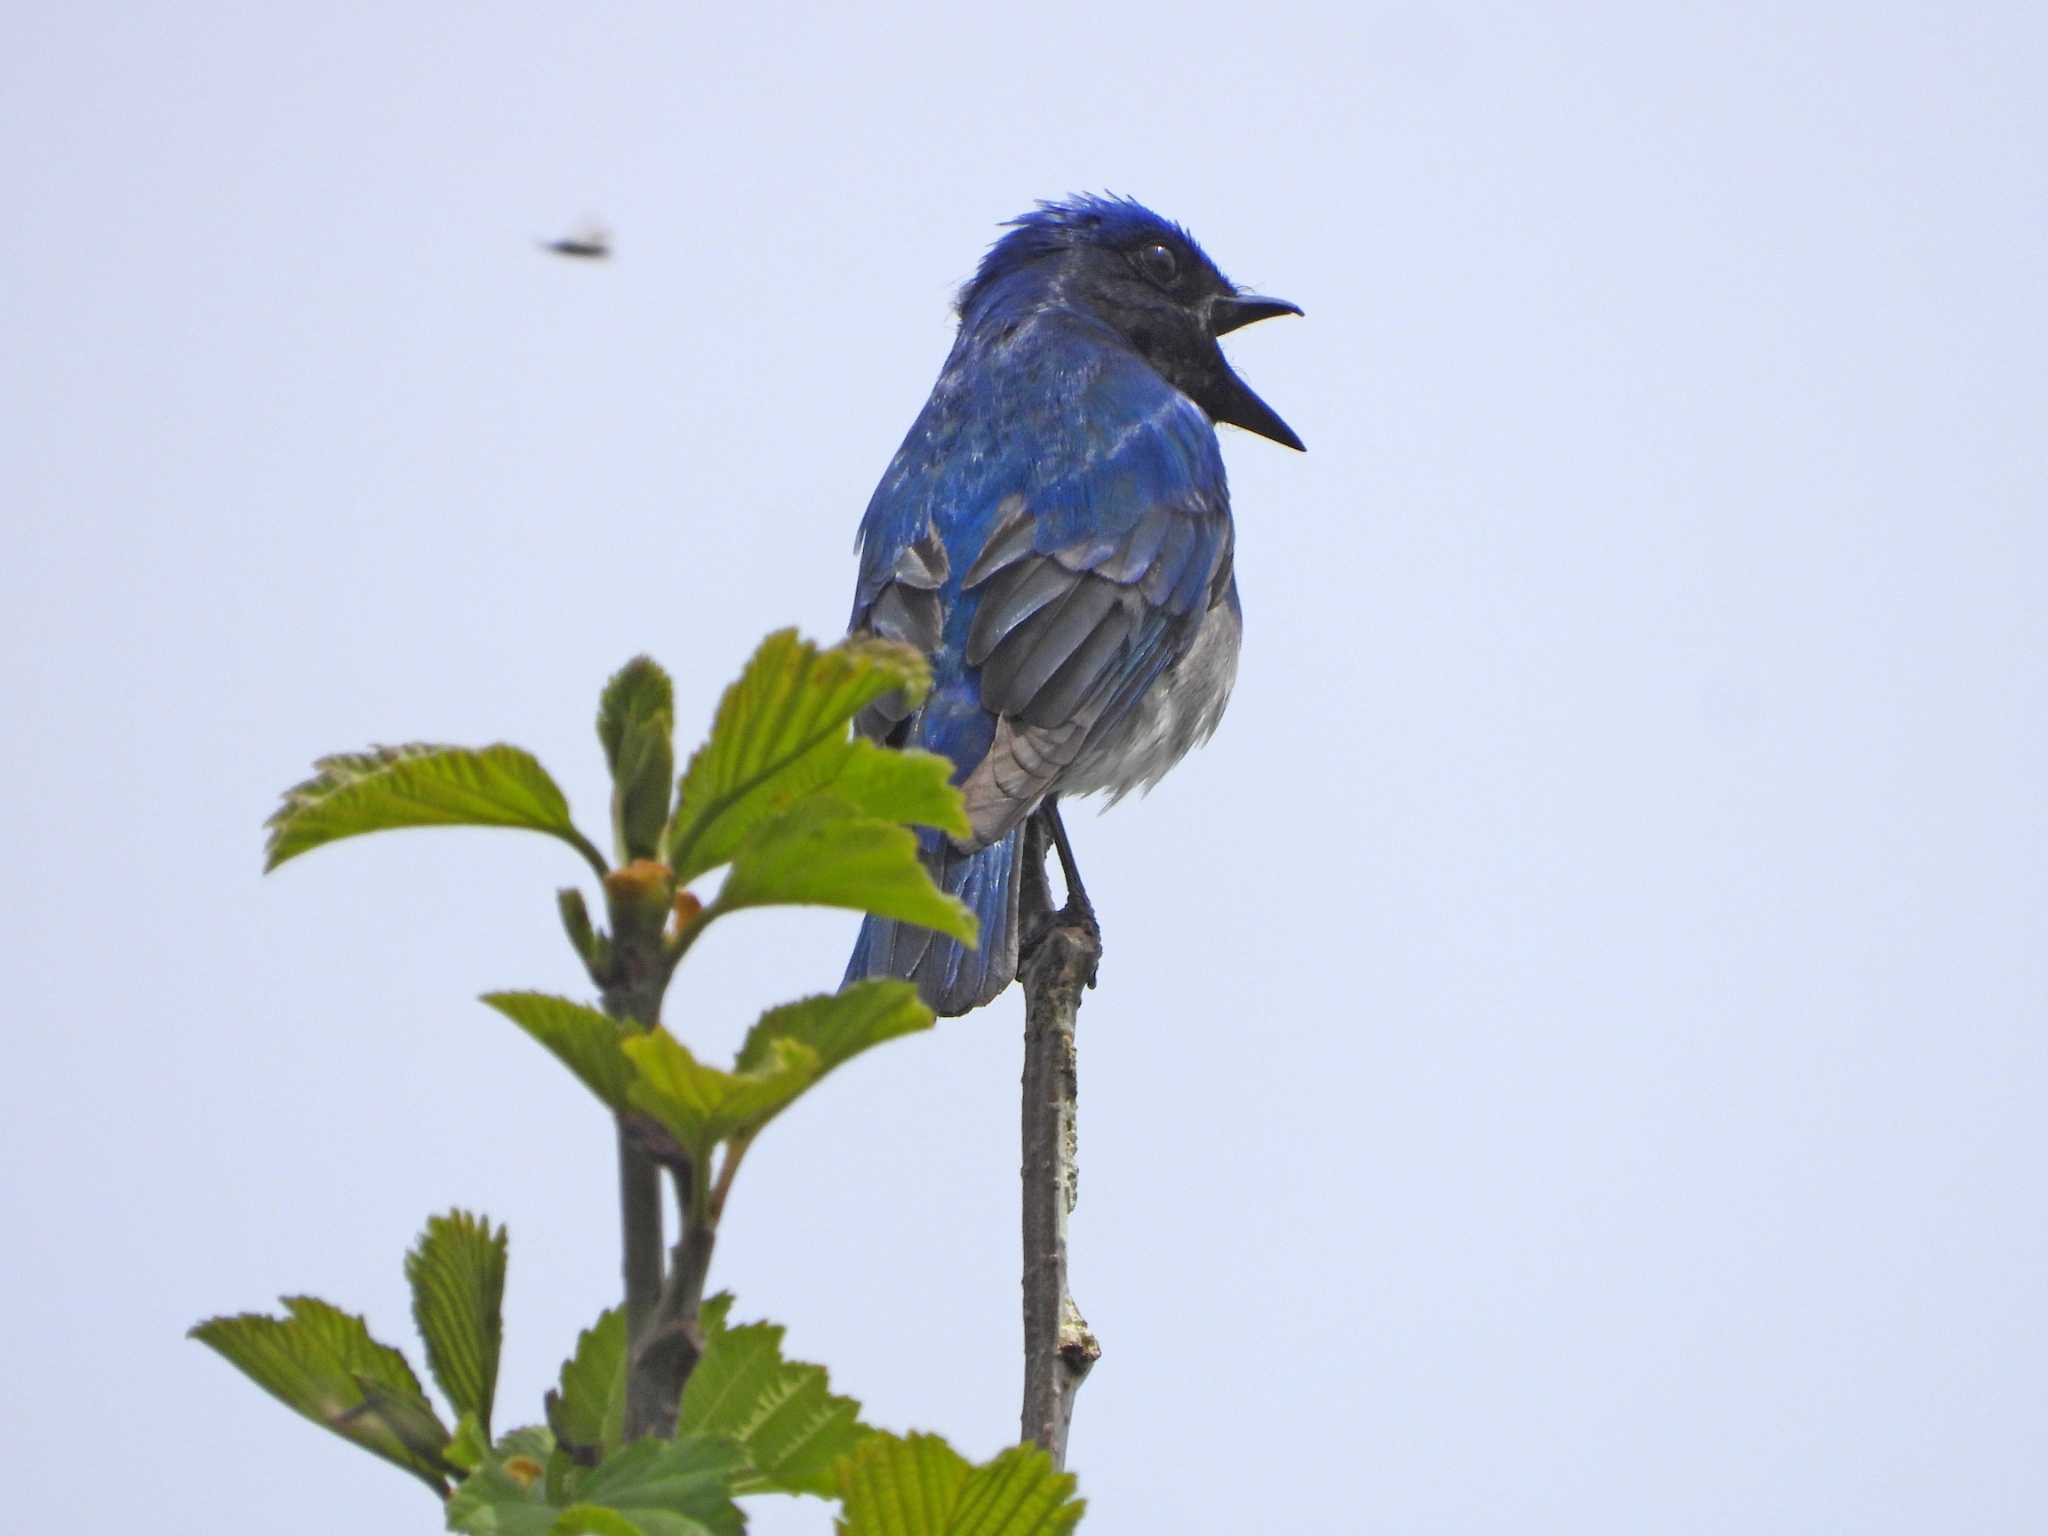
<point x="1233" y="400"/>
<point x="1232" y="311"/>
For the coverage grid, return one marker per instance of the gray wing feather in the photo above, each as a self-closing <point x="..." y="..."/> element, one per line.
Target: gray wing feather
<point x="907" y="609"/>
<point x="1064" y="693"/>
<point x="1036" y="647"/>
<point x="1130" y="560"/>
<point x="1008" y="542"/>
<point x="1014" y="595"/>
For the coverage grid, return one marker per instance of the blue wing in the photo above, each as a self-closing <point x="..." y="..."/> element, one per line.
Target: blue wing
<point x="1051" y="533"/>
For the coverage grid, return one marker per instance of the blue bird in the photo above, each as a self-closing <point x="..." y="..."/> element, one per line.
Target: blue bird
<point x="1055" y="535"/>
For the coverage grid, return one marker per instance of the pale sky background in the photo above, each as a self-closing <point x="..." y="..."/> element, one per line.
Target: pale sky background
<point x="1570" y="1056"/>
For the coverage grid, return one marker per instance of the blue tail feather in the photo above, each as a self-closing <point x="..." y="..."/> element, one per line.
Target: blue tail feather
<point x="951" y="977"/>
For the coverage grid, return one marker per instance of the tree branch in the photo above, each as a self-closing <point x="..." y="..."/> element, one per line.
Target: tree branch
<point x="1059" y="1349"/>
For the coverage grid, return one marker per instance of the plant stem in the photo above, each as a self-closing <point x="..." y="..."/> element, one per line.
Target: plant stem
<point x="640" y="1234"/>
<point x="665" y="1353"/>
<point x="588" y="849"/>
<point x="1059" y="1349"/>
<point x="632" y="993"/>
<point x="734" y="1151"/>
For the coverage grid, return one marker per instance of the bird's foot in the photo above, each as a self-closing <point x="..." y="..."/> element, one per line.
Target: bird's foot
<point x="1073" y="927"/>
<point x="1076" y="919"/>
<point x="1079" y="912"/>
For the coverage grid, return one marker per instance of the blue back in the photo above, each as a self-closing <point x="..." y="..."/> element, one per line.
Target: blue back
<point x="1075" y="524"/>
<point x="1053" y="533"/>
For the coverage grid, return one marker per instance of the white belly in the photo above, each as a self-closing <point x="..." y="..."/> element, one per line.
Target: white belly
<point x="1176" y="715"/>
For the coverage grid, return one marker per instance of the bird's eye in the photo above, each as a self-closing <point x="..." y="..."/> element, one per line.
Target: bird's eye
<point x="1157" y="262"/>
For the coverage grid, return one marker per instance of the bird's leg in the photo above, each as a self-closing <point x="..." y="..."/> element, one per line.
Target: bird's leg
<point x="1034" y="899"/>
<point x="1079" y="912"/>
<point x="1038" y="919"/>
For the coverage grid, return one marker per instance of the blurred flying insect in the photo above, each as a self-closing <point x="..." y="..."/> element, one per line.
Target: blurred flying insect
<point x="591" y="242"/>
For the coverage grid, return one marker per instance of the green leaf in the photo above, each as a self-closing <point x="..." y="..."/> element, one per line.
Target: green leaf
<point x="1020" y="1493"/>
<point x="838" y="1026"/>
<point x="322" y="1363"/>
<point x="588" y="1412"/>
<point x="917" y="1485"/>
<point x="680" y="1487"/>
<point x="903" y="784"/>
<point x="824" y="853"/>
<point x="782" y="1413"/>
<point x="466" y="1452"/>
<point x="457" y="1275"/>
<point x="589" y="1520"/>
<point x="791" y="701"/>
<point x="638" y="691"/>
<point x="411" y="1418"/>
<point x="508" y="1494"/>
<point x="420" y="785"/>
<point x="785" y="1052"/>
<point x="636" y="725"/>
<point x="699" y="1105"/>
<point x="900" y="1485"/>
<point x="583" y="1039"/>
<point x="898" y="786"/>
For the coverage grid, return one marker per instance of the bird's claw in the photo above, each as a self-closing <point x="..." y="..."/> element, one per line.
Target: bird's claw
<point x="1077" y="921"/>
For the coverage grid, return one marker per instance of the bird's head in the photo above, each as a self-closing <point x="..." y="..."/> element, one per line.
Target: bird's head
<point x="1145" y="277"/>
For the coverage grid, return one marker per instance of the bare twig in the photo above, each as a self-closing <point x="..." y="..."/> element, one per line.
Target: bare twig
<point x="1059" y="1349"/>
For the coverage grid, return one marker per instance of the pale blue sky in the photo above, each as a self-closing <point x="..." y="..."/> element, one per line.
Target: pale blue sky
<point x="1570" y="1056"/>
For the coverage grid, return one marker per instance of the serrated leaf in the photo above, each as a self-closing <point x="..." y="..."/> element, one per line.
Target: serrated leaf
<point x="492" y="1502"/>
<point x="583" y="1039"/>
<point x="588" y="1411"/>
<point x="346" y="1338"/>
<point x="636" y="725"/>
<point x="787" y="1051"/>
<point x="457" y="1275"/>
<point x="840" y="1025"/>
<point x="420" y="785"/>
<point x="322" y="1363"/>
<point x="781" y="1413"/>
<point x="903" y="784"/>
<point x="680" y="1487"/>
<point x="508" y="1494"/>
<point x="412" y="1419"/>
<point x="639" y="690"/>
<point x="699" y="1105"/>
<point x="1020" y="1493"/>
<point x="917" y="1485"/>
<point x="900" y="1485"/>
<point x="824" y="853"/>
<point x="791" y="700"/>
<point x="589" y="1520"/>
<point x="467" y="1450"/>
<point x="640" y="796"/>
<point x="892" y="785"/>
